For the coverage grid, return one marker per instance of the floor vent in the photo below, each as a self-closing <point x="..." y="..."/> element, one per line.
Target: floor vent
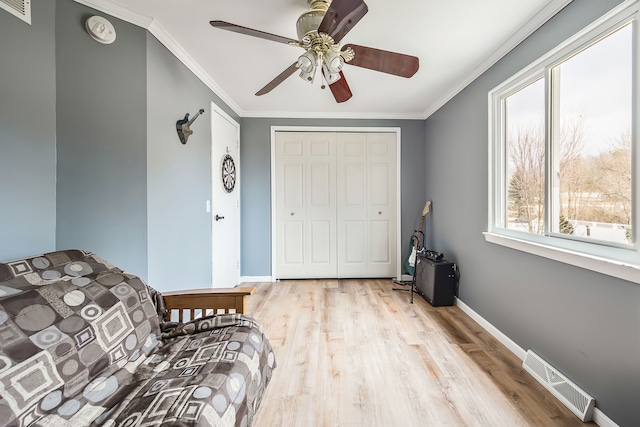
<point x="567" y="392"/>
<point x="19" y="8"/>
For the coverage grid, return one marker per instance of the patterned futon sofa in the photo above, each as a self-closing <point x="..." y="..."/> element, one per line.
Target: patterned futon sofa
<point x="84" y="343"/>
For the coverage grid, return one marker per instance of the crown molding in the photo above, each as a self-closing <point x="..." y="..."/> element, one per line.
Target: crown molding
<point x="178" y="51"/>
<point x="548" y="12"/>
<point x="118" y="12"/>
<point x="167" y="40"/>
<point x="329" y="115"/>
<point x="159" y="32"/>
<point x="151" y="25"/>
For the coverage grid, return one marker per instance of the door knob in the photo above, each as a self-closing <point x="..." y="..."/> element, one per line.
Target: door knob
<point x="218" y="217"/>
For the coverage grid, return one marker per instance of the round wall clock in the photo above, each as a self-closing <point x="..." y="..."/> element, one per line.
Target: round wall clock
<point x="228" y="173"/>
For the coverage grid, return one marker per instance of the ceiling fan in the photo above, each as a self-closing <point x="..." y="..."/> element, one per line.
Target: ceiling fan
<point x="320" y="30"/>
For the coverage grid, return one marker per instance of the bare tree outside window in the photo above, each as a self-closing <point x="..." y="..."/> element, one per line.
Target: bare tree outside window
<point x="613" y="170"/>
<point x="594" y="105"/>
<point x="526" y="182"/>
<point x="526" y="157"/>
<point x="589" y="177"/>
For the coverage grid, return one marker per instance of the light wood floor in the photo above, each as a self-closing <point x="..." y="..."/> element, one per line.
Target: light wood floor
<point x="356" y="353"/>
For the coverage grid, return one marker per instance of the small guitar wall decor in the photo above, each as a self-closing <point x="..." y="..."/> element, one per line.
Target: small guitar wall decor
<point x="183" y="127"/>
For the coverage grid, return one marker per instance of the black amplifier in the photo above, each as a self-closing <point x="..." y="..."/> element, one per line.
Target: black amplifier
<point x="436" y="281"/>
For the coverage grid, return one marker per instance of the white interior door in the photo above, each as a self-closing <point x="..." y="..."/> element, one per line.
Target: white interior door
<point x="366" y="205"/>
<point x="305" y="176"/>
<point x="225" y="203"/>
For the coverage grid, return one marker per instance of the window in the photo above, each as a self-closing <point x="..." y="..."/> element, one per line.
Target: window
<point x="525" y="153"/>
<point x="562" y="147"/>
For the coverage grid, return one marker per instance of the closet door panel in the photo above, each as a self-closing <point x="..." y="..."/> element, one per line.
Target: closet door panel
<point x="352" y="205"/>
<point x="381" y="214"/>
<point x="290" y="204"/>
<point x="293" y="186"/>
<point x="320" y="239"/>
<point x="305" y="205"/>
<point x="352" y="221"/>
<point x="354" y="182"/>
<point x="381" y="204"/>
<point x="354" y="253"/>
<point x="319" y="182"/>
<point x="321" y="205"/>
<point x="380" y="252"/>
<point x="293" y="232"/>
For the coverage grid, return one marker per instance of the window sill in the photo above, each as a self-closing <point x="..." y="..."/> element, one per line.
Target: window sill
<point x="621" y="270"/>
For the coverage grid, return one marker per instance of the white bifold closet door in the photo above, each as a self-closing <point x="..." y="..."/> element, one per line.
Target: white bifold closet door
<point x="335" y="204"/>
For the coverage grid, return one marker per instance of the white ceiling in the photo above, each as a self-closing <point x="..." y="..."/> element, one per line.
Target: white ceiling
<point x="455" y="41"/>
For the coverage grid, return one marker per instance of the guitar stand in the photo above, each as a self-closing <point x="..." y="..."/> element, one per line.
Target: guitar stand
<point x="411" y="290"/>
<point x="412" y="282"/>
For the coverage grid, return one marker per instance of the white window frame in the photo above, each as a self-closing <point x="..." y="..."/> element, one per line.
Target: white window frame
<point x="622" y="261"/>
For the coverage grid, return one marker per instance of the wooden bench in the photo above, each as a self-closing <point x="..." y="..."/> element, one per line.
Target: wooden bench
<point x="190" y="304"/>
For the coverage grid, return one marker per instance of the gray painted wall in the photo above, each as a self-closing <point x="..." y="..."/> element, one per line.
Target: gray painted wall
<point x="584" y="323"/>
<point x="255" y="196"/>
<point x="110" y="199"/>
<point x="27" y="133"/>
<point x="102" y="140"/>
<point x="126" y="188"/>
<point x="179" y="176"/>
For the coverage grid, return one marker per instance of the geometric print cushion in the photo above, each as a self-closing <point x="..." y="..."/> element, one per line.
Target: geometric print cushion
<point x="211" y="371"/>
<point x="73" y="330"/>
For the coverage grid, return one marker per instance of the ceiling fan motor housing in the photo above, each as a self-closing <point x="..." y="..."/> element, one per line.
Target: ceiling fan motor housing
<point x="310" y="20"/>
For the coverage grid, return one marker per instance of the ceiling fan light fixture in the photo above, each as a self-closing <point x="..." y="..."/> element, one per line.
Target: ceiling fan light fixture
<point x="334" y="61"/>
<point x="308" y="76"/>
<point x="329" y="76"/>
<point x="308" y="62"/>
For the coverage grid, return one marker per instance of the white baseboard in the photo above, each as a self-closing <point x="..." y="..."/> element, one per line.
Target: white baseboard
<point x="602" y="420"/>
<point x="598" y="416"/>
<point x="255" y="279"/>
<point x="497" y="334"/>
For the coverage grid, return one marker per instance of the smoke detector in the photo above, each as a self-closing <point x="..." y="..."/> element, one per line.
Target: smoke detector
<point x="100" y="29"/>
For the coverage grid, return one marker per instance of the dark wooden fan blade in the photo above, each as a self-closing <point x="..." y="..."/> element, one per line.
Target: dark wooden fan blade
<point x="279" y="79"/>
<point x="341" y="17"/>
<point x="251" y="32"/>
<point x="340" y="89"/>
<point x="394" y="63"/>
